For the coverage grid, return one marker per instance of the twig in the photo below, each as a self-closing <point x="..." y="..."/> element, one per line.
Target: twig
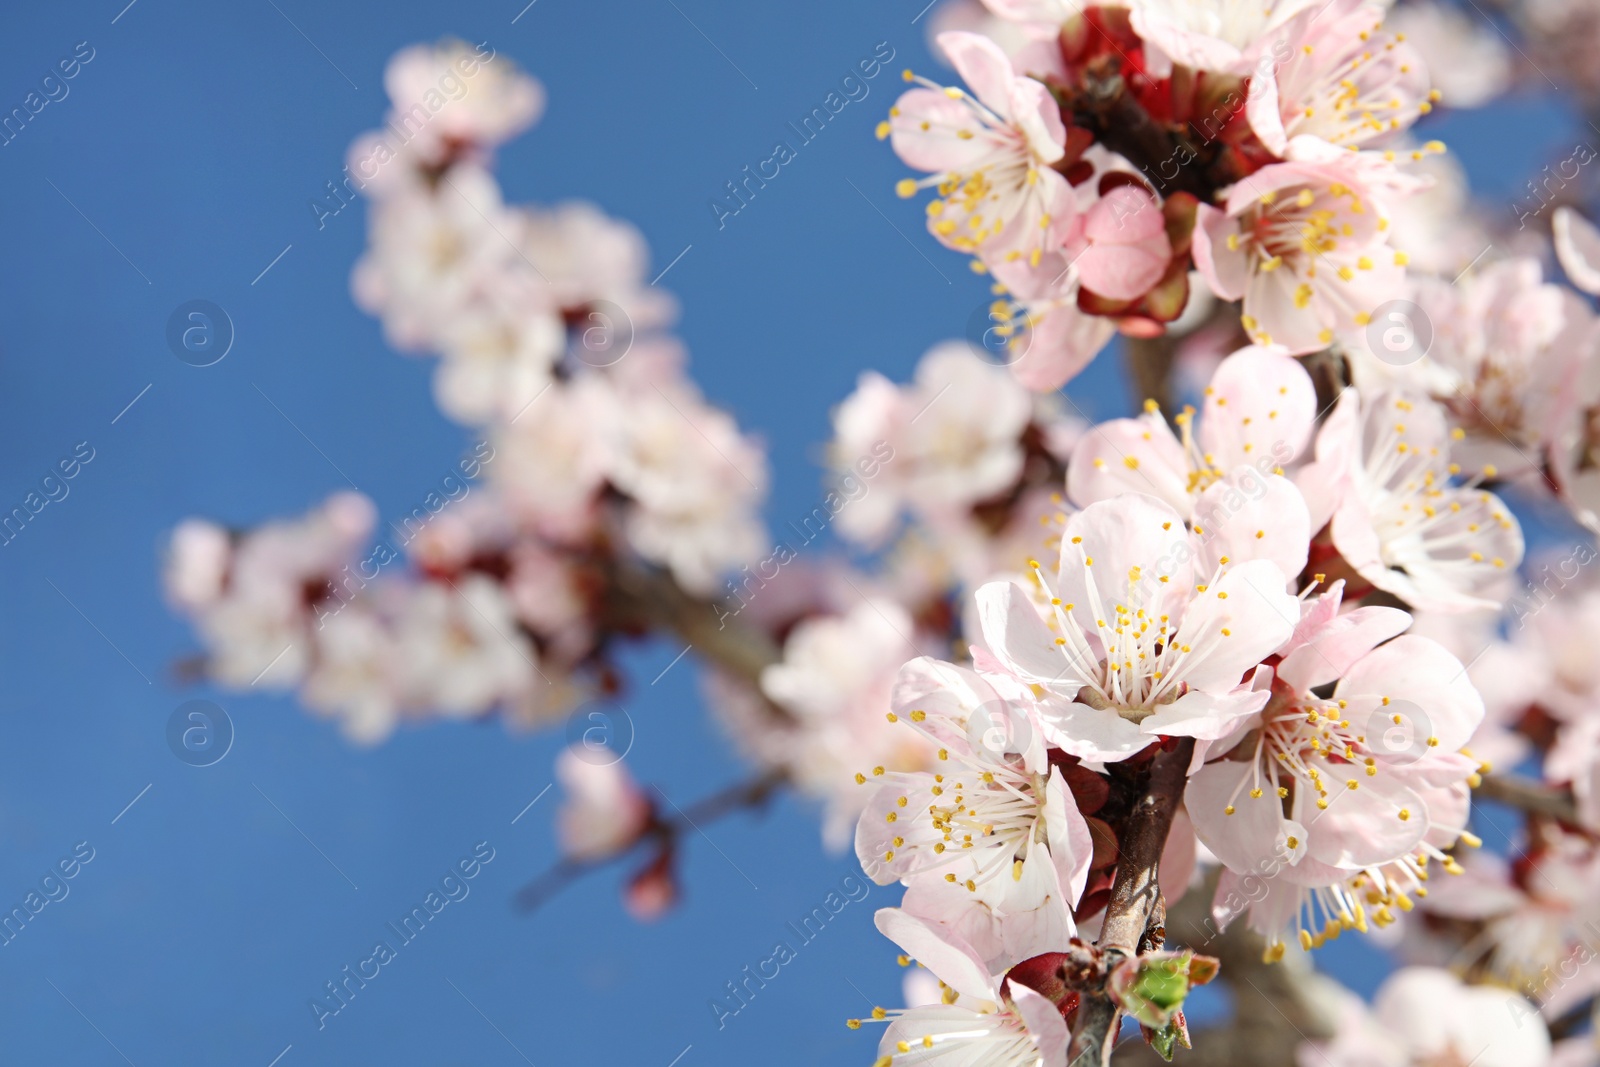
<point x="663" y="831"/>
<point x="1135" y="896"/>
<point x="1530" y="796"/>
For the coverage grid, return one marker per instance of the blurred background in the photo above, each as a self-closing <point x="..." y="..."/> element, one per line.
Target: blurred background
<point x="182" y="164"/>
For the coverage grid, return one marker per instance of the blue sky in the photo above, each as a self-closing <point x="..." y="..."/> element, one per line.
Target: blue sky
<point x="179" y="165"/>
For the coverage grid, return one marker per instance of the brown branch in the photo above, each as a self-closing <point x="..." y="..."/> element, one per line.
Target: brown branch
<point x="1535" y="798"/>
<point x="644" y="598"/>
<point x="1135" y="913"/>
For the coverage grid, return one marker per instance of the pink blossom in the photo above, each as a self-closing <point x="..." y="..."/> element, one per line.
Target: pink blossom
<point x="453" y="94"/>
<point x="198" y="557"/>
<point x="355" y="677"/>
<point x="981" y="1020"/>
<point x="1042" y="18"/>
<point x="1342" y="80"/>
<point x="1536" y="918"/>
<point x="547" y="591"/>
<point x="552" y="460"/>
<point x="1383" y="474"/>
<point x="1004" y="853"/>
<point x="1258" y="413"/>
<point x="1322" y="789"/>
<point x="1211" y="35"/>
<point x="1514" y="357"/>
<point x="1128" y="249"/>
<point x="1423" y="1016"/>
<point x="1149" y="631"/>
<point x="585" y="257"/>
<point x="605" y="811"/>
<point x="254" y="620"/>
<point x="1060" y="339"/>
<point x="431" y="254"/>
<point x="695" y="482"/>
<point x="937" y="447"/>
<point x="1470" y="61"/>
<point x="1304" y="245"/>
<point x="461" y="650"/>
<point x="989" y="153"/>
<point x="1577" y="244"/>
<point x="1048" y="338"/>
<point x="835" y="682"/>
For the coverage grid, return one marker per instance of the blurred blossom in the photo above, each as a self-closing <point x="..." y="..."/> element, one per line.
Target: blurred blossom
<point x="605" y="811"/>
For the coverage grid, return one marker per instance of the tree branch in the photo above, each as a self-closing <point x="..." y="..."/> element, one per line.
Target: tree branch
<point x="1532" y="797"/>
<point x="1135" y="914"/>
<point x="651" y="599"/>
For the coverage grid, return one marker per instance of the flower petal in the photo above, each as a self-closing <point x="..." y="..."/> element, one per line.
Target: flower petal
<point x="1130" y="456"/>
<point x="1016" y="636"/>
<point x="1260" y="408"/>
<point x="937" y="948"/>
<point x="1234" y="625"/>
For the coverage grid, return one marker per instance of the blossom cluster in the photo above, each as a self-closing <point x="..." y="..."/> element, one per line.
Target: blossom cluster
<point x="1069" y="169"/>
<point x="1298" y="576"/>
<point x="595" y="449"/>
<point x="1232" y="584"/>
<point x="1360" y="537"/>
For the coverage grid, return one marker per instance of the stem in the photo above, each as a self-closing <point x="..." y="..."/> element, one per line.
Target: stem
<point x="1135" y="913"/>
<point x="1149" y="363"/>
<point x="751" y="794"/>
